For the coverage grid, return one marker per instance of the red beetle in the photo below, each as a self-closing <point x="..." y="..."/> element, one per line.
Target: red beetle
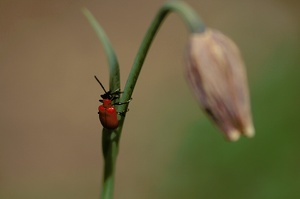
<point x="107" y="112"/>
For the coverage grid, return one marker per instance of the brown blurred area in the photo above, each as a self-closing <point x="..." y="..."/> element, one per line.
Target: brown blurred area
<point x="50" y="135"/>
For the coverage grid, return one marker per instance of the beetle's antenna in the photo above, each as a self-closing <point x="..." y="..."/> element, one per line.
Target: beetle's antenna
<point x="100" y="83"/>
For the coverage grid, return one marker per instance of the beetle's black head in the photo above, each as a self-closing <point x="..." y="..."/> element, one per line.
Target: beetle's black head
<point x="106" y="96"/>
<point x="111" y="95"/>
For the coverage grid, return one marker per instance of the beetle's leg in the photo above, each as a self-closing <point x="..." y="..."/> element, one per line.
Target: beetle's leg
<point x="123" y="113"/>
<point x="116" y="92"/>
<point x="115" y="95"/>
<point x="120" y="103"/>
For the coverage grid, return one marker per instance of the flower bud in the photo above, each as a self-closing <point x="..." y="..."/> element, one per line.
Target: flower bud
<point x="216" y="73"/>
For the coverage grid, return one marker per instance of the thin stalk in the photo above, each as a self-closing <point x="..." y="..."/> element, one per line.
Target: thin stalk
<point x="194" y="24"/>
<point x="191" y="19"/>
<point x="114" y="69"/>
<point x="109" y="141"/>
<point x="110" y="138"/>
<point x="110" y="151"/>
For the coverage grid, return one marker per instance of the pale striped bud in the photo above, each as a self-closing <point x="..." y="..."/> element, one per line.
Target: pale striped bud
<point x="216" y="73"/>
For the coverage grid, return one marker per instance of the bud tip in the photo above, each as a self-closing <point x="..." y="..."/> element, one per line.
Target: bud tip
<point x="233" y="135"/>
<point x="249" y="131"/>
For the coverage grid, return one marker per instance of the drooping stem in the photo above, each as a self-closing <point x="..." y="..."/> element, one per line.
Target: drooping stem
<point x="195" y="25"/>
<point x="110" y="139"/>
<point x="191" y="19"/>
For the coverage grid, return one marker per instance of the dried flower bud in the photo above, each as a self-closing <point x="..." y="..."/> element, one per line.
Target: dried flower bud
<point x="216" y="73"/>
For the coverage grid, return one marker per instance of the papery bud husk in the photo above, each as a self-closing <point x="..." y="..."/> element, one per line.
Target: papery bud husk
<point x="216" y="72"/>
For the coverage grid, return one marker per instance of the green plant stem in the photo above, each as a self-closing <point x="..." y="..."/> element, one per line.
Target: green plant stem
<point x="110" y="138"/>
<point x="191" y="19"/>
<point x="109" y="141"/>
<point x="110" y="151"/>
<point x="194" y="24"/>
<point x="114" y="69"/>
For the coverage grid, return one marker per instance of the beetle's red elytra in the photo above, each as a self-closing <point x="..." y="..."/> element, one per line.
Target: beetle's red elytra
<point x="108" y="115"/>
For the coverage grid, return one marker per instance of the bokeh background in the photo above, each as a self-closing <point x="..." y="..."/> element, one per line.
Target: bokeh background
<point x="49" y="130"/>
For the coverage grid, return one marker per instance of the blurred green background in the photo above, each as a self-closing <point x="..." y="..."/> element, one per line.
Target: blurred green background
<point x="49" y="130"/>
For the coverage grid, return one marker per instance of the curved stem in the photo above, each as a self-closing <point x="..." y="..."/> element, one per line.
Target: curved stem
<point x="111" y="137"/>
<point x="114" y="70"/>
<point x="190" y="18"/>
<point x="109" y="141"/>
<point x="195" y="25"/>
